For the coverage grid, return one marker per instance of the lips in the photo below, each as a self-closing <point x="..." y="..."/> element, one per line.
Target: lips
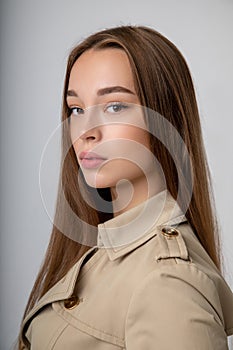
<point x="90" y="159"/>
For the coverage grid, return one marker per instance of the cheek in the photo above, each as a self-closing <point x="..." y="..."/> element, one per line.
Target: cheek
<point x="77" y="148"/>
<point x="117" y="140"/>
<point x="128" y="132"/>
<point x="74" y="133"/>
<point x="76" y="145"/>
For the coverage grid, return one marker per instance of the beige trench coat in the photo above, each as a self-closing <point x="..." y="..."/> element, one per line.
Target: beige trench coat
<point x="147" y="284"/>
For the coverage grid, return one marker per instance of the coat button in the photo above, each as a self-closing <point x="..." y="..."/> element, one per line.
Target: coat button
<point x="71" y="302"/>
<point x="170" y="232"/>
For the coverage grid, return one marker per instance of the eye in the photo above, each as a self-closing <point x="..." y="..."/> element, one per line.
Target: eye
<point x="76" y="110"/>
<point x="116" y="107"/>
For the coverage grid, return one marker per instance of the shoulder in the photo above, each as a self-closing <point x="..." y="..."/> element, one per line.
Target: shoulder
<point x="185" y="281"/>
<point x="183" y="258"/>
<point x="169" y="308"/>
<point x="179" y="301"/>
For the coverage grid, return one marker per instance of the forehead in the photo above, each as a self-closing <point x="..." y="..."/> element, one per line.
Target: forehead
<point x="101" y="67"/>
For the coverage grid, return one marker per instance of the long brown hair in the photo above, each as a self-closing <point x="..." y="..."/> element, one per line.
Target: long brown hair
<point x="163" y="84"/>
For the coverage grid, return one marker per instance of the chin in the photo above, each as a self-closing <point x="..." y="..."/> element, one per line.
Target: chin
<point x="100" y="178"/>
<point x="100" y="183"/>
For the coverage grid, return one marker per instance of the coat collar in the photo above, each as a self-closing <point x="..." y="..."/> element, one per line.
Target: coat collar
<point x="129" y="230"/>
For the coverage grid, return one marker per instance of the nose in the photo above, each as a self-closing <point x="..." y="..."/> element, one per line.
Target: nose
<point x="88" y="127"/>
<point x="93" y="134"/>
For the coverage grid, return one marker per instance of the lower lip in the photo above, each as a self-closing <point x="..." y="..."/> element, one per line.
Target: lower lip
<point x="91" y="163"/>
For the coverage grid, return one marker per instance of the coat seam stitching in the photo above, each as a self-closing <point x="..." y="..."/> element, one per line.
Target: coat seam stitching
<point x="63" y="312"/>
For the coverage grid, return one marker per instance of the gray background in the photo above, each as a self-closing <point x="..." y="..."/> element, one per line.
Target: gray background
<point x="36" y="37"/>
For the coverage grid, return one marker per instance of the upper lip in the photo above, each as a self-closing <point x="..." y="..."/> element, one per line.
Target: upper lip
<point x="89" y="155"/>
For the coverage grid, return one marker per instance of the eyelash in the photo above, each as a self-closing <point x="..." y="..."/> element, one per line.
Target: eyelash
<point x="72" y="109"/>
<point x="118" y="104"/>
<point x="121" y="105"/>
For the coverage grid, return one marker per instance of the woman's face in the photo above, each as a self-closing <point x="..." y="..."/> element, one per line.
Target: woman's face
<point x="105" y="115"/>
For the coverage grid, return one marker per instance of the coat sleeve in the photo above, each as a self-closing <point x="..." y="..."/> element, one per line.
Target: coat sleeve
<point x="169" y="311"/>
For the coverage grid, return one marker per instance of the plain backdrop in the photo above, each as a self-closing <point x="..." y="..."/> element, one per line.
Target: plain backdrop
<point x="36" y="37"/>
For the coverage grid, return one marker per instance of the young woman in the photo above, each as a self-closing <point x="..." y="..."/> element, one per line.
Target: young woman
<point x="133" y="261"/>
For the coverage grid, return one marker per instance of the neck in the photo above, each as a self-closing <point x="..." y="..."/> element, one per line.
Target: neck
<point x="128" y="194"/>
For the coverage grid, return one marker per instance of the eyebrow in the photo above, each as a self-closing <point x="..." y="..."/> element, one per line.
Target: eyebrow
<point x="105" y="91"/>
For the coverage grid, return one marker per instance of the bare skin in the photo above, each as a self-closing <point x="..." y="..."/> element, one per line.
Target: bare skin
<point x="131" y="177"/>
